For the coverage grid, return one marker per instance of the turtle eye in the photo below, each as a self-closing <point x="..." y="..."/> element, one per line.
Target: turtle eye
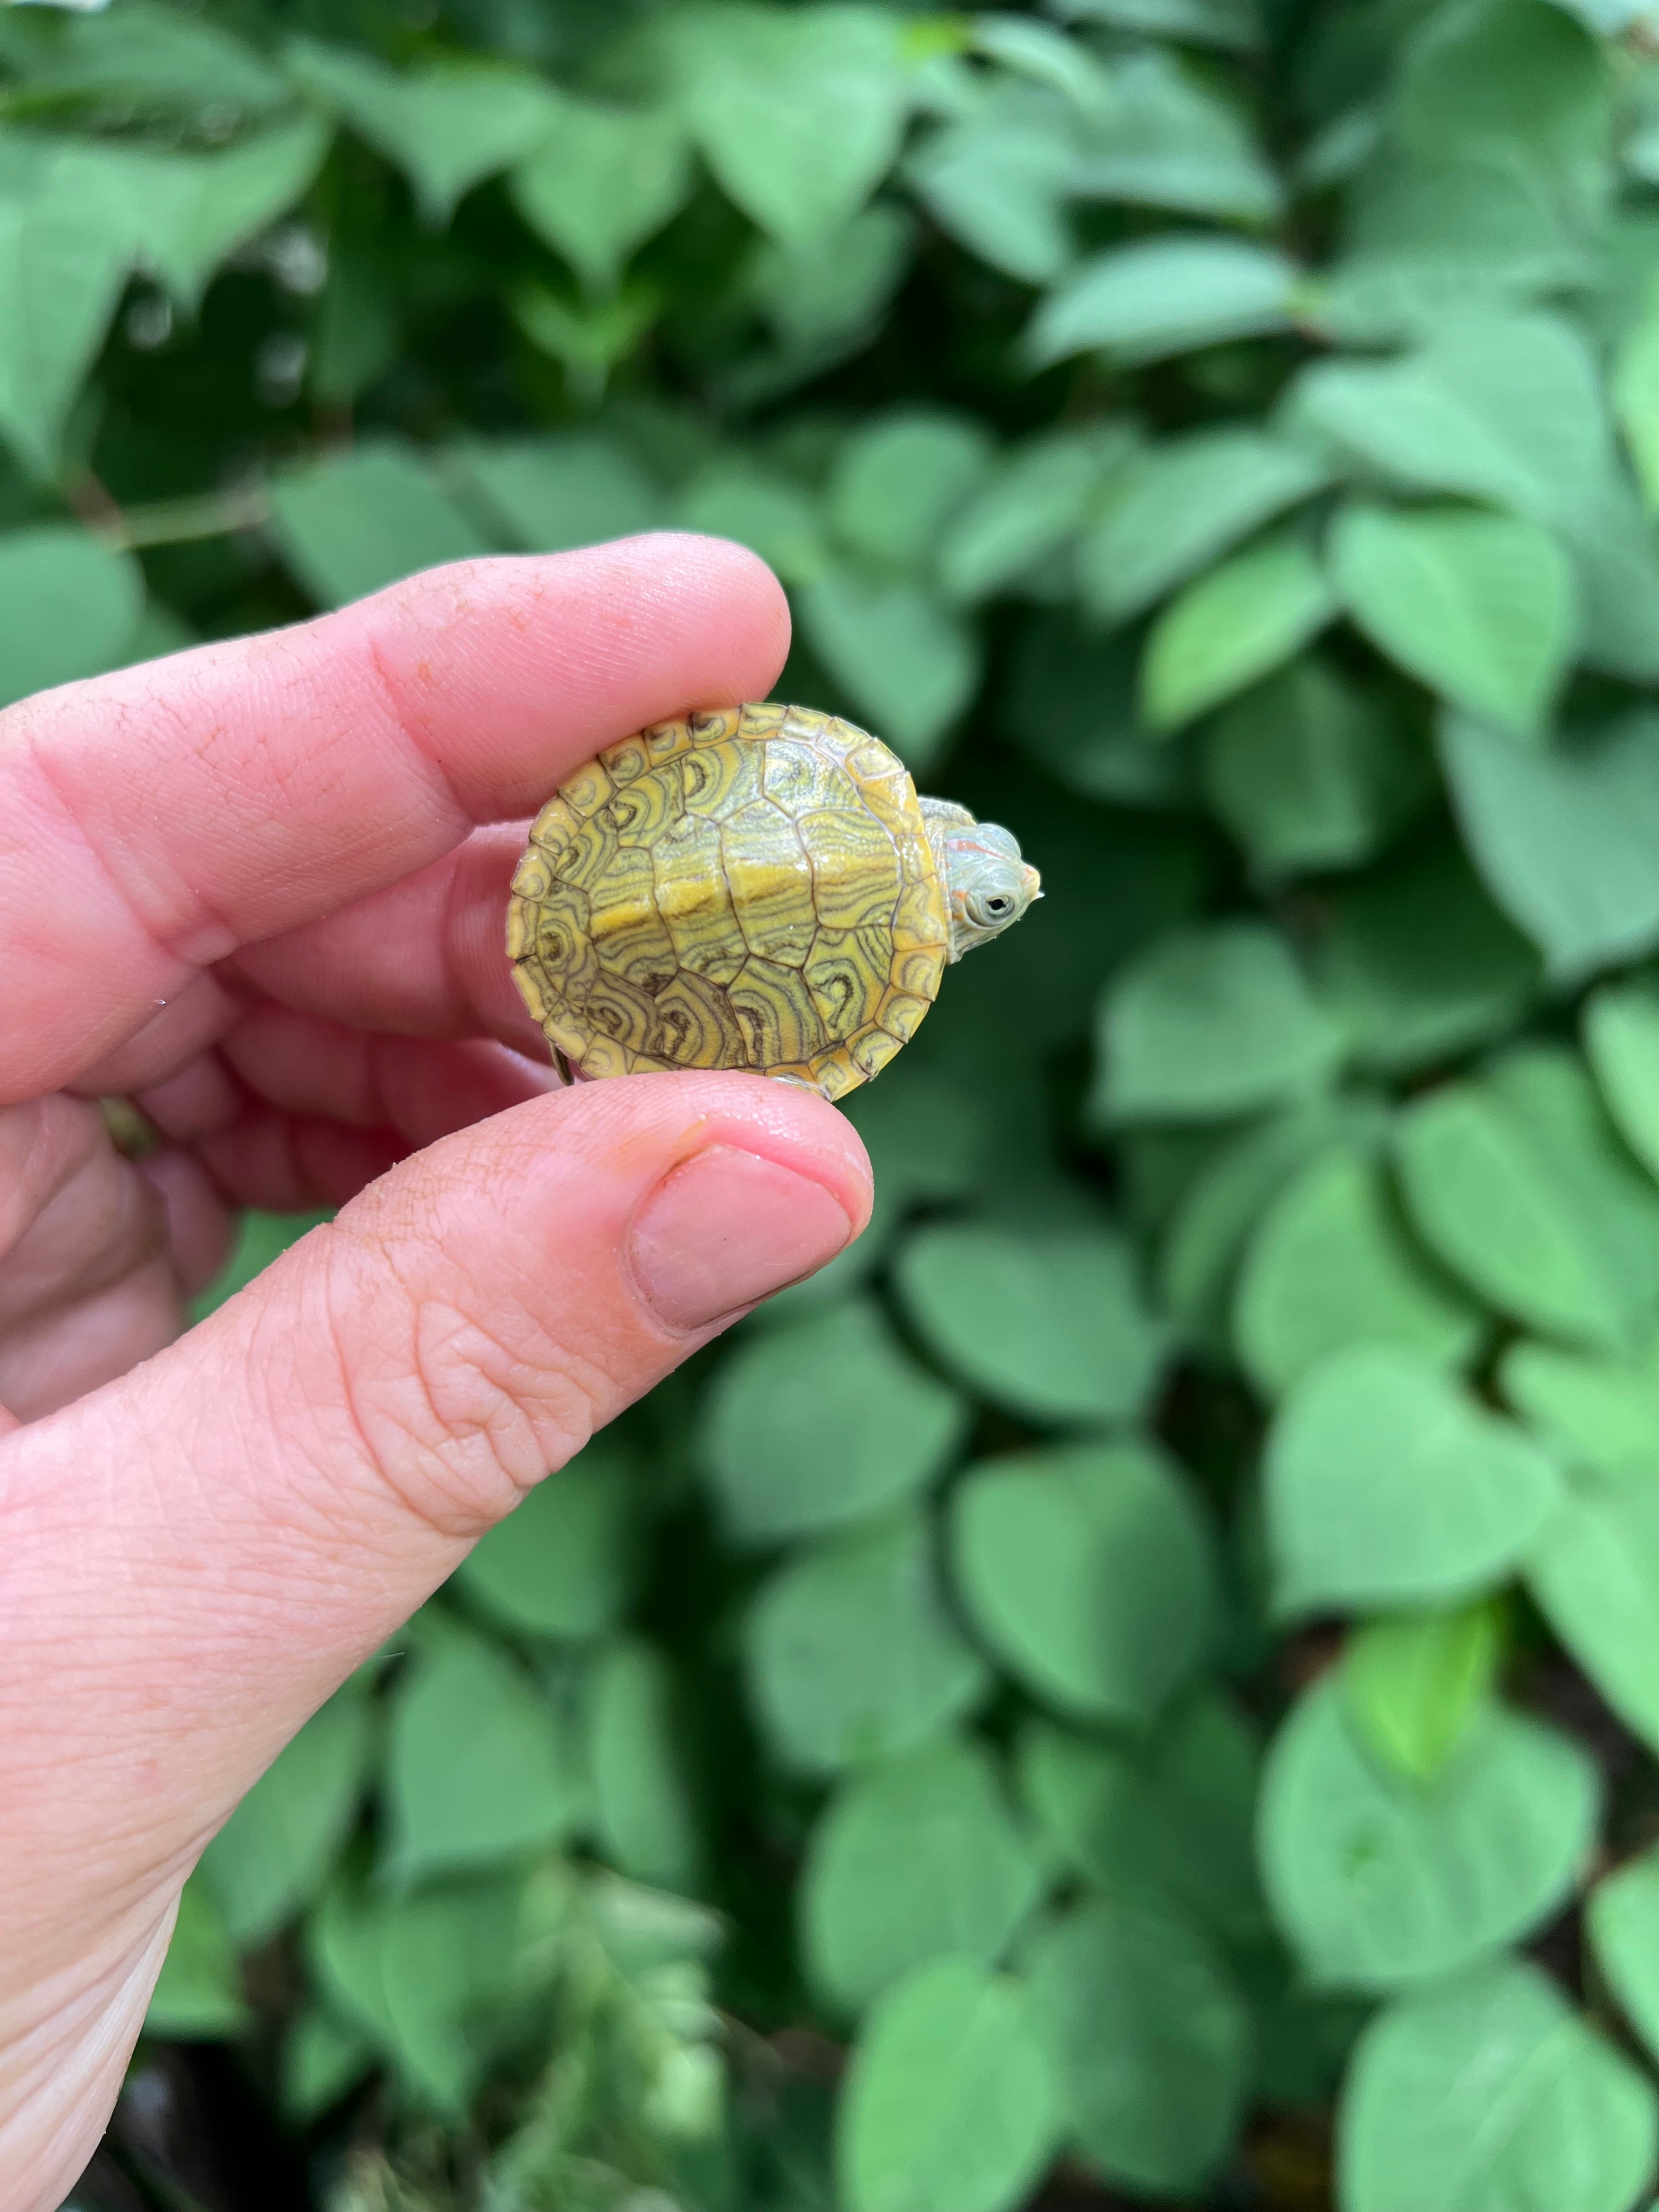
<point x="998" y="905"/>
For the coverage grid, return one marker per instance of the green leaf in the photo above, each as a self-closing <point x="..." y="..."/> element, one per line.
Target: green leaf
<point x="1072" y="705"/>
<point x="587" y="336"/>
<point x="1621" y="1037"/>
<point x="1518" y="1186"/>
<point x="417" y="1974"/>
<point x="897" y="482"/>
<point x="1233" y="626"/>
<point x="798" y="112"/>
<point x="1309" y="772"/>
<point x="1031" y="506"/>
<point x="1601" y="1413"/>
<point x="447" y="126"/>
<point x="322" y="2059"/>
<point x="349" y="526"/>
<point x="1492" y="78"/>
<point x="1232" y="25"/>
<point x="644" y="1821"/>
<point x="1380" y="1881"/>
<point x="562" y="1563"/>
<point x="276" y="1851"/>
<point x="1635" y="399"/>
<point x="153" y="61"/>
<point x="998" y="180"/>
<point x="1387" y="1486"/>
<point x="197" y="1997"/>
<point x="1481" y="606"/>
<point x="602" y="181"/>
<point x="913" y="1859"/>
<point x="1490" y="2090"/>
<point x="1565" y="840"/>
<point x="1048" y="1322"/>
<point x="826" y="1421"/>
<point x="1206" y="1233"/>
<point x="1622" y="1921"/>
<point x="851" y="1653"/>
<point x="64" y="256"/>
<point x="1331" y="1265"/>
<point x="1150" y="2039"/>
<point x="1166" y="137"/>
<point x="69" y="606"/>
<point x="1177" y="504"/>
<point x="1089" y="1571"/>
<point x="186" y="214"/>
<point x="1594" y="1573"/>
<point x="1415" y="1683"/>
<point x="910" y="665"/>
<point x="1160" y="297"/>
<point x="551" y="495"/>
<point x="1418" y="965"/>
<point x="1506" y="408"/>
<point x="950" y="2105"/>
<point x="479" y="1769"/>
<point x="1173" y="1815"/>
<point x="826" y="301"/>
<point x="1209" y="1021"/>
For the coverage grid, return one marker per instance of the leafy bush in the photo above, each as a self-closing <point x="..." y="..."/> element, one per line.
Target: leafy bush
<point x="1166" y="1634"/>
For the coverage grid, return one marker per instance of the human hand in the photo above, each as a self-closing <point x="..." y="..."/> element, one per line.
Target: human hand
<point x="260" y="888"/>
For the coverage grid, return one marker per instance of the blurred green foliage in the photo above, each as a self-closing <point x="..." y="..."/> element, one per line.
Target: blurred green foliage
<point x="1139" y="1648"/>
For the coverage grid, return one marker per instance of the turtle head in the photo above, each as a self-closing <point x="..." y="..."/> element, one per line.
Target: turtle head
<point x="987" y="886"/>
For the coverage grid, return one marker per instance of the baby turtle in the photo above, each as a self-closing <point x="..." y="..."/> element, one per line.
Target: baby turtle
<point x="759" y="888"/>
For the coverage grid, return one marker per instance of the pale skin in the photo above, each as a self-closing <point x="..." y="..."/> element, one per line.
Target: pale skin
<point x="259" y="888"/>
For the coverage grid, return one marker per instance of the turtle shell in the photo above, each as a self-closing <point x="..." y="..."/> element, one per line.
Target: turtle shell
<point x="753" y="888"/>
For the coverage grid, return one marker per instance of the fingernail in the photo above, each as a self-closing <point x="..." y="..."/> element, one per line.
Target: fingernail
<point x="727" y="1228"/>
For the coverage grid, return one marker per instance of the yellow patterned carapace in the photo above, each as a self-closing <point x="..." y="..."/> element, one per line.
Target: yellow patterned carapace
<point x="756" y="887"/>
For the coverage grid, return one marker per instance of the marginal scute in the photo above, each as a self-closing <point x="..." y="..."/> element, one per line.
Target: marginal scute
<point x="870" y="1050"/>
<point x="586" y="791"/>
<point x="622" y="763"/>
<point x="533" y="877"/>
<point x="744" y="887"/>
<point x="555" y="826"/>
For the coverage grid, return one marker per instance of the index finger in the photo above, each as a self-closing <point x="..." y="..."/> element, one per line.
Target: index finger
<point x="160" y="819"/>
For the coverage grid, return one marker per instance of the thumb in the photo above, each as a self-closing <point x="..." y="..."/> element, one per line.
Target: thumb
<point x="197" y="1555"/>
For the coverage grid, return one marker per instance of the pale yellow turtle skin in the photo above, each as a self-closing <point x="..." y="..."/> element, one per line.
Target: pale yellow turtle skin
<point x="752" y="888"/>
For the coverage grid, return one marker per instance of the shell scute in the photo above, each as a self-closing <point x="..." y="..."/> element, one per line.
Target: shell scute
<point x="870" y="1050"/>
<point x="715" y="725"/>
<point x="555" y="827"/>
<point x="624" y="761"/>
<point x="855" y="868"/>
<point x="628" y="934"/>
<point x="586" y="792"/>
<point x="697" y="1024"/>
<point x="775" y="1011"/>
<point x="643" y="811"/>
<point x="771" y="880"/>
<point x="846" y="971"/>
<point x="801" y="777"/>
<point x="716" y="779"/>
